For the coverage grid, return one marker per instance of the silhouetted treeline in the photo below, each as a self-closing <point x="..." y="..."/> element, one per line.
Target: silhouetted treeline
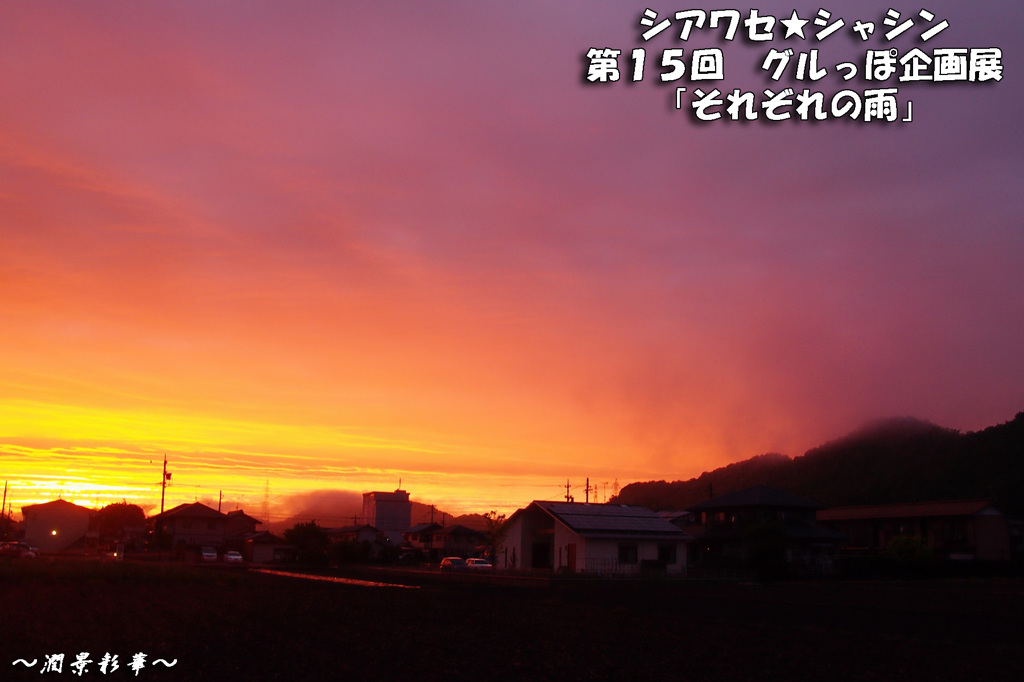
<point x="899" y="460"/>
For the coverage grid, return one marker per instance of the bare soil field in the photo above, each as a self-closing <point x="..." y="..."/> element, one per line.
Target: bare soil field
<point x="223" y="624"/>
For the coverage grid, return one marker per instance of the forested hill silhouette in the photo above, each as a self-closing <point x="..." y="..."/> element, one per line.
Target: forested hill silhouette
<point x="895" y="460"/>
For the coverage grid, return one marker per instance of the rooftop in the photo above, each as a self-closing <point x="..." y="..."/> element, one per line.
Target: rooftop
<point x="758" y="496"/>
<point x="610" y="519"/>
<point x="905" y="510"/>
<point x="193" y="509"/>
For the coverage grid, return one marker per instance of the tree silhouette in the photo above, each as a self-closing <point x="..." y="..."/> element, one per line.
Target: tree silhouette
<point x="310" y="542"/>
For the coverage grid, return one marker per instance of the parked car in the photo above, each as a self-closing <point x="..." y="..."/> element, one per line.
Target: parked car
<point x="232" y="557"/>
<point x="453" y="564"/>
<point x="209" y="554"/>
<point x="19" y="550"/>
<point x="479" y="564"/>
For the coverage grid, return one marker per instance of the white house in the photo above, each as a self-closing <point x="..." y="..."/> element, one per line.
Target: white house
<point x="601" y="539"/>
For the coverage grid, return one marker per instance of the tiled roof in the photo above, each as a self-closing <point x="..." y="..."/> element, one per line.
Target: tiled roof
<point x="611" y="520"/>
<point x="905" y="510"/>
<point x="758" y="496"/>
<point x="239" y="514"/>
<point x="795" y="531"/>
<point x="265" y="538"/>
<point x="56" y="504"/>
<point x="195" y="509"/>
<point x="456" y="530"/>
<point x="420" y="527"/>
<point x="349" y="529"/>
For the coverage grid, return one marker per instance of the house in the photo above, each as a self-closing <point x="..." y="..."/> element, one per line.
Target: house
<point x="680" y="519"/>
<point x="388" y="512"/>
<point x="358" y="534"/>
<point x="454" y="541"/>
<point x="956" y="529"/>
<point x="357" y="543"/>
<point x="598" y="539"/>
<point x="418" y="542"/>
<point x="267" y="548"/>
<point x="420" y="538"/>
<point x="762" y="527"/>
<point x="188" y="527"/>
<point x="57" y="526"/>
<point x="238" y="527"/>
<point x="237" y="522"/>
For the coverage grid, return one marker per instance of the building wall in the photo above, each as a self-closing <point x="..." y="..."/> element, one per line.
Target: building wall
<point x="508" y="552"/>
<point x="197" y="531"/>
<point x="53" y="528"/>
<point x="991" y="536"/>
<point x="604" y="555"/>
<point x="570" y="551"/>
<point x="388" y="512"/>
<point x="597" y="555"/>
<point x="984" y="536"/>
<point x="518" y="542"/>
<point x="268" y="554"/>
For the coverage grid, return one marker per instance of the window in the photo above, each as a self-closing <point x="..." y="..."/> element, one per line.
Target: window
<point x="627" y="553"/>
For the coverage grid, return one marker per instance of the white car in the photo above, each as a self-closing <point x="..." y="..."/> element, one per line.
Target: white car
<point x="479" y="564"/>
<point x="209" y="554"/>
<point x="232" y="557"/>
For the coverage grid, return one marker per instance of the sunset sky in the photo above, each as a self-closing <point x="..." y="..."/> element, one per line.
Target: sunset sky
<point x="335" y="245"/>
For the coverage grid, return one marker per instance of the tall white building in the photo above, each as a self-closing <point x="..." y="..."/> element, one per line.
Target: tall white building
<point x="390" y="513"/>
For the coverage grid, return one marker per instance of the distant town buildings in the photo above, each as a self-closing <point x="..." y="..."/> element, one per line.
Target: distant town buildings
<point x="745" y="531"/>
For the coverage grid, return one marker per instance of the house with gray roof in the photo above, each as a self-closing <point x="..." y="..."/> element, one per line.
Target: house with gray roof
<point x="188" y="527"/>
<point x="759" y="527"/>
<point x="594" y="539"/>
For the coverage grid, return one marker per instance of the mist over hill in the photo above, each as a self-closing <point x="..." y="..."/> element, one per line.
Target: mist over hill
<point x="892" y="460"/>
<point x="339" y="508"/>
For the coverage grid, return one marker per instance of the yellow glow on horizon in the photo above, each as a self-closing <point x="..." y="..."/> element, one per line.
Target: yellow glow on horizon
<point x="35" y="420"/>
<point x="94" y="456"/>
<point x="42" y="475"/>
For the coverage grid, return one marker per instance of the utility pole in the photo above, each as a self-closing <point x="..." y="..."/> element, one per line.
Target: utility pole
<point x="568" y="497"/>
<point x="588" y="489"/>
<point x="163" y="484"/>
<point x="265" y="509"/>
<point x="219" y="500"/>
<point x="7" y="521"/>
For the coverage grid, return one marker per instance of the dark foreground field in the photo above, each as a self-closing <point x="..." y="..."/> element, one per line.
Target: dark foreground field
<point x="234" y="625"/>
